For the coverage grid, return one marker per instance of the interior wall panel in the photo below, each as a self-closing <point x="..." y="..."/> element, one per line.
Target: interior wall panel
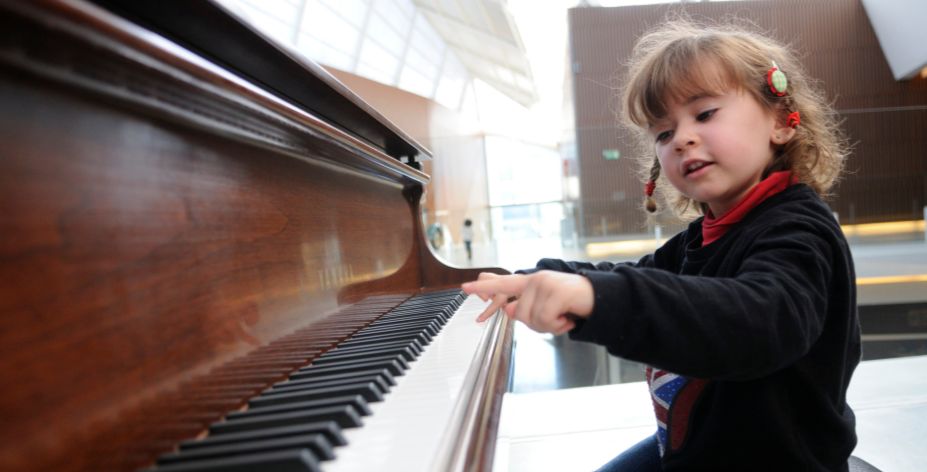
<point x="883" y="118"/>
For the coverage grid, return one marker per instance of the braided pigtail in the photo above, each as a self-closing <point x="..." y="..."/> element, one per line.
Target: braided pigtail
<point x="649" y="203"/>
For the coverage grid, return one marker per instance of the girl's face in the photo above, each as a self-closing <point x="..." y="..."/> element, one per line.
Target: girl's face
<point x="714" y="148"/>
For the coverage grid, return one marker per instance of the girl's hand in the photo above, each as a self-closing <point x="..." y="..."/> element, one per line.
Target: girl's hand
<point x="498" y="299"/>
<point x="547" y="301"/>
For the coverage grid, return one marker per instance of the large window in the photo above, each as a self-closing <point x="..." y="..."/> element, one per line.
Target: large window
<point x="389" y="41"/>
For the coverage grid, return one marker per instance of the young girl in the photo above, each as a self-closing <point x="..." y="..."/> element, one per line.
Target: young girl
<point x="748" y="317"/>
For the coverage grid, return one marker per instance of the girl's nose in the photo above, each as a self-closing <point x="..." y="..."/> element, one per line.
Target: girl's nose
<point x="684" y="138"/>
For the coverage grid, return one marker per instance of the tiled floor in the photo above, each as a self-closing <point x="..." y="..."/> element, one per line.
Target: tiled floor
<point x="582" y="428"/>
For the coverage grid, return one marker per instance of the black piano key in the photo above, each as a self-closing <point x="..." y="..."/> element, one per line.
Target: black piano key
<point x="408" y="348"/>
<point x="414" y="312"/>
<point x="408" y="316"/>
<point x="294" y="460"/>
<point x="405" y="320"/>
<point x="356" y="401"/>
<point x="398" y="353"/>
<point x="418" y="327"/>
<point x="308" y="384"/>
<point x="413" y="345"/>
<point x="447" y="292"/>
<point x="422" y="308"/>
<point x="329" y="429"/>
<point x="382" y="373"/>
<point x="428" y="304"/>
<point x="344" y="416"/>
<point x="394" y="367"/>
<point x="424" y="315"/>
<point x="398" y="334"/>
<point x="399" y="313"/>
<point x="426" y="300"/>
<point x="423" y="339"/>
<point x="316" y="443"/>
<point x="438" y="322"/>
<point x="431" y="328"/>
<point x="381" y="376"/>
<point x="417" y="304"/>
<point x="368" y="390"/>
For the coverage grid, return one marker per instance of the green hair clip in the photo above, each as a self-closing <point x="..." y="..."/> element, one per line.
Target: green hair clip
<point x="778" y="83"/>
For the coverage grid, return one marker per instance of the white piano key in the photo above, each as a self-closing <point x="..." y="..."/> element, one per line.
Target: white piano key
<point x="408" y="429"/>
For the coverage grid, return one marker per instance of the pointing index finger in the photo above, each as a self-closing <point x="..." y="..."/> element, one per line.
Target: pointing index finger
<point x="511" y="285"/>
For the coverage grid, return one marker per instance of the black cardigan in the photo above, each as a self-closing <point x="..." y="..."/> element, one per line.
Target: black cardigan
<point x="766" y="314"/>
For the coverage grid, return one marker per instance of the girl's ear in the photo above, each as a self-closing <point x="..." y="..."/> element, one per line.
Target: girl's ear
<point x="782" y="131"/>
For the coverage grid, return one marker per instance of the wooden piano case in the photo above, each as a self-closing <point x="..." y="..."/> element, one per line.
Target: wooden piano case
<point x="171" y="221"/>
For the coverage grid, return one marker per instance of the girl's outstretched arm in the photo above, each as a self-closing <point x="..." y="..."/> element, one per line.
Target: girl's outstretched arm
<point x="546" y="301"/>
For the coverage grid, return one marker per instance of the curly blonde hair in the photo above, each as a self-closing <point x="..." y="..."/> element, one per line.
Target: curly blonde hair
<point x="673" y="62"/>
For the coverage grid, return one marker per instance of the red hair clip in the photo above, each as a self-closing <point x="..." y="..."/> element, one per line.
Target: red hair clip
<point x="649" y="204"/>
<point x="793" y="120"/>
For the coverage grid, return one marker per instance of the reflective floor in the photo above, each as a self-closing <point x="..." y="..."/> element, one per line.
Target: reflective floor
<point x="892" y="283"/>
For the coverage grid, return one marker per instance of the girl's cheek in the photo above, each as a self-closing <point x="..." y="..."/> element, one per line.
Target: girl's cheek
<point x="664" y="160"/>
<point x="659" y="151"/>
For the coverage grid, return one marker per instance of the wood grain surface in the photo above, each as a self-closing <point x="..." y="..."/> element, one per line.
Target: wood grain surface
<point x="172" y="242"/>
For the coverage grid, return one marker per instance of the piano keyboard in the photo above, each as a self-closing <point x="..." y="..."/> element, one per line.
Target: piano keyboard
<point x="384" y="398"/>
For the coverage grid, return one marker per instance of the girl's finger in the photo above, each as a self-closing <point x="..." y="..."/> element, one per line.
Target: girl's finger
<point x="497" y="302"/>
<point x="510" y="308"/>
<point x="546" y="310"/>
<point x="566" y="326"/>
<point x="522" y="311"/>
<point x="510" y="285"/>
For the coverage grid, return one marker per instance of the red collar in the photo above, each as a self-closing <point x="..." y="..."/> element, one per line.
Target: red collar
<point x="713" y="228"/>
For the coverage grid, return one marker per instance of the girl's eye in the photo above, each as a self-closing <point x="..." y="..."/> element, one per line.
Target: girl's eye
<point x="664" y="136"/>
<point x="706" y="115"/>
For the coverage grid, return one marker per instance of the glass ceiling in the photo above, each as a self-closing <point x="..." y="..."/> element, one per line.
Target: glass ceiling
<point x="432" y="48"/>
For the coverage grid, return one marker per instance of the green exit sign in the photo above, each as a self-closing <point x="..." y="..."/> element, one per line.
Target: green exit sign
<point x="611" y="154"/>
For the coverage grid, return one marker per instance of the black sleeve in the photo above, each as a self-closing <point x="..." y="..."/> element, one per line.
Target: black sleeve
<point x="663" y="257"/>
<point x="764" y="317"/>
<point x="574" y="267"/>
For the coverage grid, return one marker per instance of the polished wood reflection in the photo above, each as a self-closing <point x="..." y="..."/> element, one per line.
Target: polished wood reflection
<point x="157" y="270"/>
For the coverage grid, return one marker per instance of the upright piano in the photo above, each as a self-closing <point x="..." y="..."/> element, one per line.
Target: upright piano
<point x="212" y="259"/>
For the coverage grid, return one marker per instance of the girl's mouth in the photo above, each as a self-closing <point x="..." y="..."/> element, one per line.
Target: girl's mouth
<point x="695" y="168"/>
